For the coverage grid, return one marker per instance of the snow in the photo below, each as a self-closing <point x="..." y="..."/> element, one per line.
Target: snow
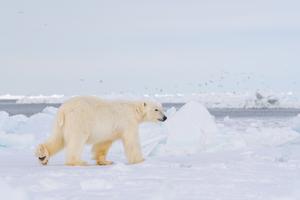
<point x="247" y="158"/>
<point x="9" y="192"/>
<point x="95" y="184"/>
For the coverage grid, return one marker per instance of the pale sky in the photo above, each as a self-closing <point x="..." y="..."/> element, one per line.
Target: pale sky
<point x="95" y="47"/>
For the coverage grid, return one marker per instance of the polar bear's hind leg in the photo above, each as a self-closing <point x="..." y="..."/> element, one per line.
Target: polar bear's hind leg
<point x="100" y="151"/>
<point x="74" y="149"/>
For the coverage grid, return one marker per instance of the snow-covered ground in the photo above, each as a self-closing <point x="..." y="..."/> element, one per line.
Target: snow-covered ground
<point x="191" y="156"/>
<point x="212" y="100"/>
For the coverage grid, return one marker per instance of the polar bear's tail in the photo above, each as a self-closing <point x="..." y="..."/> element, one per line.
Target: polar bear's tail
<point x="53" y="144"/>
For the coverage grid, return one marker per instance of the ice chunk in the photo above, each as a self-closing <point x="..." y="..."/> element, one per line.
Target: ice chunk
<point x="190" y="129"/>
<point x="13" y="123"/>
<point x="3" y="117"/>
<point x="19" y="131"/>
<point x="16" y="140"/>
<point x="50" y="110"/>
<point x="39" y="124"/>
<point x="171" y="111"/>
<point x="296" y="123"/>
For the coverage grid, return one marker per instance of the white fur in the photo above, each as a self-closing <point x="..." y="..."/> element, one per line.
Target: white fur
<point x="90" y="120"/>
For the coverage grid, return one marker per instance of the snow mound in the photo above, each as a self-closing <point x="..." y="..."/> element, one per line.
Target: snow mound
<point x="191" y="129"/>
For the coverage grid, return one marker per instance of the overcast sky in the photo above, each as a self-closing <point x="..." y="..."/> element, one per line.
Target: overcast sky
<point x="96" y="47"/>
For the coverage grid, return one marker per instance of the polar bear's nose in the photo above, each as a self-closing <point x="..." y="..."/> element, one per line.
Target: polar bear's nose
<point x="164" y="118"/>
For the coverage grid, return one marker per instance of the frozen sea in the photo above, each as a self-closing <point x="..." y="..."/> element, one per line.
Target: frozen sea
<point x="254" y="154"/>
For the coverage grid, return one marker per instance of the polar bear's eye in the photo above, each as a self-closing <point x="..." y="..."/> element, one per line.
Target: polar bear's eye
<point x="156" y="110"/>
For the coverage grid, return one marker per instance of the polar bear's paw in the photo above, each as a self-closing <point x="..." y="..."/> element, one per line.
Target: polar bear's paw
<point x="104" y="162"/>
<point x="42" y="154"/>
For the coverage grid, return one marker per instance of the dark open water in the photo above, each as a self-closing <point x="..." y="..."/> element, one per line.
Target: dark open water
<point x="12" y="108"/>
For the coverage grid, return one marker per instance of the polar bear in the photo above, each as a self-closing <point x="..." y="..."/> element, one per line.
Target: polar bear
<point x="91" y="120"/>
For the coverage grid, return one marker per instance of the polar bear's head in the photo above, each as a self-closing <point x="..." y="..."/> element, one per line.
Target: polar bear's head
<point x="152" y="112"/>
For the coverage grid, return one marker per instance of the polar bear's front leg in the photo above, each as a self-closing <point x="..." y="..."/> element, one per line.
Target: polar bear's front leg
<point x="132" y="146"/>
<point x="100" y="151"/>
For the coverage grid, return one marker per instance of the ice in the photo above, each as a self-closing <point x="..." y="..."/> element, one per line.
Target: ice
<point x="3" y="118"/>
<point x="13" y="123"/>
<point x="296" y="123"/>
<point x="190" y="129"/>
<point x="19" y="131"/>
<point x="19" y="141"/>
<point x="253" y="138"/>
<point x="11" y="97"/>
<point x="50" y="110"/>
<point x="39" y="125"/>
<point x="41" y="99"/>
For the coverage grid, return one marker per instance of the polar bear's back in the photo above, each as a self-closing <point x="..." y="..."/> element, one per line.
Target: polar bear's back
<point x="90" y="105"/>
<point x="99" y="118"/>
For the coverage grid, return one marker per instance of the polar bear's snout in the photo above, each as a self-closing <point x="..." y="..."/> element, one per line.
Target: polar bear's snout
<point x="164" y="118"/>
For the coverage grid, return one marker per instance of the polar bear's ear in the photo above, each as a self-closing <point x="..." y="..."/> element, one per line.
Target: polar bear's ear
<point x="145" y="104"/>
<point x="140" y="108"/>
<point x="140" y="111"/>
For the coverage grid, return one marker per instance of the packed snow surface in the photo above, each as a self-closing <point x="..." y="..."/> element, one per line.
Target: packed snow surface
<point x="190" y="156"/>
